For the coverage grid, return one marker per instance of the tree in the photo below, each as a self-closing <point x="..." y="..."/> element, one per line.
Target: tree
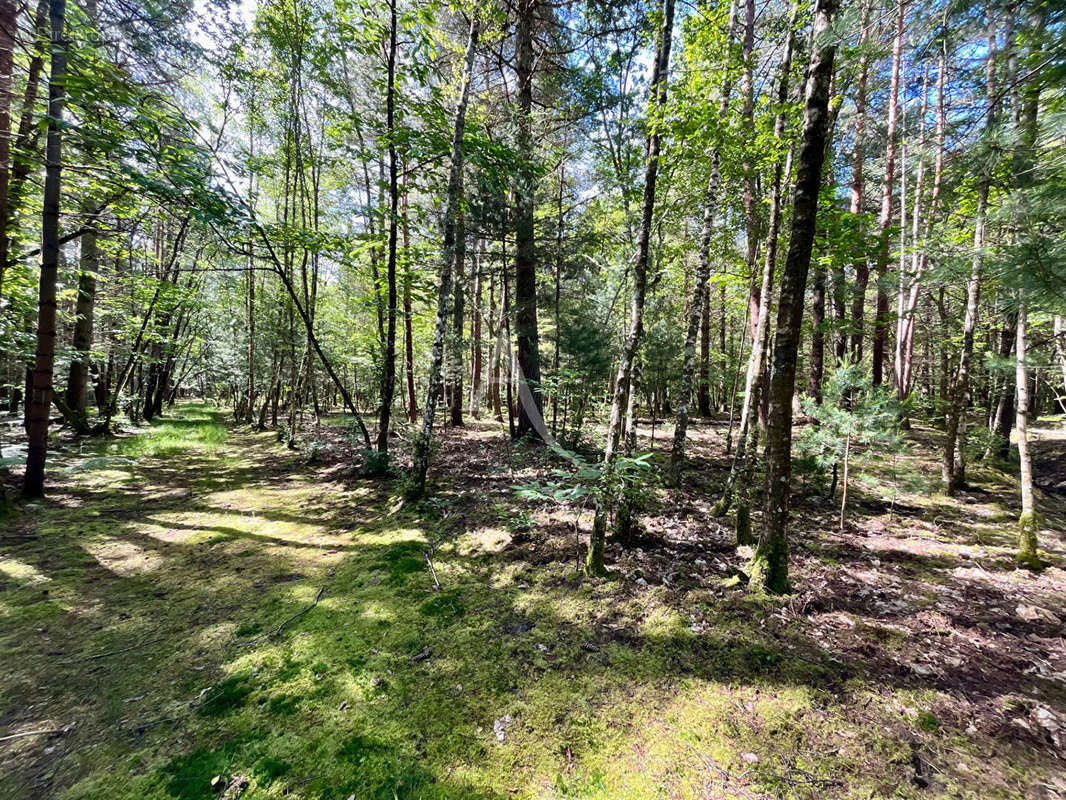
<point x="769" y="567"/>
<point x="527" y="336"/>
<point x="388" y="371"/>
<point x="953" y="465"/>
<point x="700" y="294"/>
<point x="623" y="387"/>
<point x="423" y="443"/>
<point x="39" y="401"/>
<point x="885" y="219"/>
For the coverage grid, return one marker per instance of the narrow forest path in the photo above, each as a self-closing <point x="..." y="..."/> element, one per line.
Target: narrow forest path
<point x="199" y="612"/>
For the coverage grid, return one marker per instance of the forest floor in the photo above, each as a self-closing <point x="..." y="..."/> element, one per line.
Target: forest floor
<point x="197" y="612"/>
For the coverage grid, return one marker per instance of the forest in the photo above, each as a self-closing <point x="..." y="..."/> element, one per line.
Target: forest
<point x="540" y="399"/>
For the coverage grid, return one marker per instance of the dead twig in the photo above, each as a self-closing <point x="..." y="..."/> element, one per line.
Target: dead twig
<point x="23" y="734"/>
<point x="432" y="569"/>
<point x="110" y="653"/>
<point x="285" y="623"/>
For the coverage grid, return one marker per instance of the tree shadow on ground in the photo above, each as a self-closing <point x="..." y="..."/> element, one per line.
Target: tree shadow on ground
<point x="327" y="670"/>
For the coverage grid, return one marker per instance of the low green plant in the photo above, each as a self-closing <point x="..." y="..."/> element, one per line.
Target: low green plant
<point x="623" y="485"/>
<point x="856" y="424"/>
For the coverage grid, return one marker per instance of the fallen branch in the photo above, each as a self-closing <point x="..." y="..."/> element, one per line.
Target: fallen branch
<point x="277" y="631"/>
<point x="110" y="653"/>
<point x="433" y="571"/>
<point x="51" y="732"/>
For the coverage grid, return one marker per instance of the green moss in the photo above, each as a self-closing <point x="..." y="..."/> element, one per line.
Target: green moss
<point x="271" y="768"/>
<point x="403" y="559"/>
<point x="928" y="722"/>
<point x="227" y="696"/>
<point x="189" y="777"/>
<point x="759" y="657"/>
<point x="283" y="704"/>
<point x="1028" y="525"/>
<point x="445" y="606"/>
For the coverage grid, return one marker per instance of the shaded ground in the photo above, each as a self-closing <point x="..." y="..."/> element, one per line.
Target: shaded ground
<point x="199" y="613"/>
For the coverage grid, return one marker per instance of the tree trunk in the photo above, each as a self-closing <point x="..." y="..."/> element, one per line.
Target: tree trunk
<point x="751" y="218"/>
<point x="249" y="412"/>
<point x="885" y="220"/>
<point x="1060" y="354"/>
<point x="817" y="335"/>
<point x="8" y="33"/>
<point x="858" y="188"/>
<point x="754" y="378"/>
<point x="82" y="340"/>
<point x="444" y="298"/>
<point x="953" y="466"/>
<point x="698" y="308"/>
<point x="388" y="371"/>
<point x="558" y="297"/>
<point x="39" y="401"/>
<point x="1028" y="523"/>
<point x="496" y="357"/>
<point x="530" y="405"/>
<point x="1024" y="161"/>
<point x="656" y="103"/>
<point x="455" y="365"/>
<point x="769" y="566"/>
<point x="408" y="314"/>
<point x="905" y="324"/>
<point x="703" y="385"/>
<point x="475" y="334"/>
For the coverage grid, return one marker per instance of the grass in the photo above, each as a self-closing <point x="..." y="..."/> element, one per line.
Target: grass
<point x="197" y="430"/>
<point x="142" y="614"/>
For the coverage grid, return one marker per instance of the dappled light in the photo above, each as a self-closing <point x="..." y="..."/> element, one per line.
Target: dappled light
<point x="532" y="400"/>
<point x="293" y="633"/>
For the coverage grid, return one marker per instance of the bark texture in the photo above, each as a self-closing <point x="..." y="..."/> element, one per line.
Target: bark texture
<point x="39" y="401"/>
<point x="769" y="567"/>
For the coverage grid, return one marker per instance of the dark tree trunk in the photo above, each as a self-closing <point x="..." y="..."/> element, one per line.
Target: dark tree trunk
<point x="8" y="31"/>
<point x="82" y="341"/>
<point x="475" y="334"/>
<point x="817" y="335"/>
<point x="703" y="385"/>
<point x="530" y="400"/>
<point x="408" y="314"/>
<point x="39" y="401"/>
<point x="388" y="371"/>
<point x="769" y="567"/>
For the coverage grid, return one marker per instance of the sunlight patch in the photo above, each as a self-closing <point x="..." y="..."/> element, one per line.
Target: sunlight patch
<point x="121" y="557"/>
<point x="22" y="572"/>
<point x="483" y="540"/>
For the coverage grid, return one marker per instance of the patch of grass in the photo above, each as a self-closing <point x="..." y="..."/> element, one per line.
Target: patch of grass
<point x="189" y="777"/>
<point x="192" y="427"/>
<point x="271" y="768"/>
<point x="283" y="704"/>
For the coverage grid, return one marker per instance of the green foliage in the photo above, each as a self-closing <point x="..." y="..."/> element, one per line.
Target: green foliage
<point x="854" y="417"/>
